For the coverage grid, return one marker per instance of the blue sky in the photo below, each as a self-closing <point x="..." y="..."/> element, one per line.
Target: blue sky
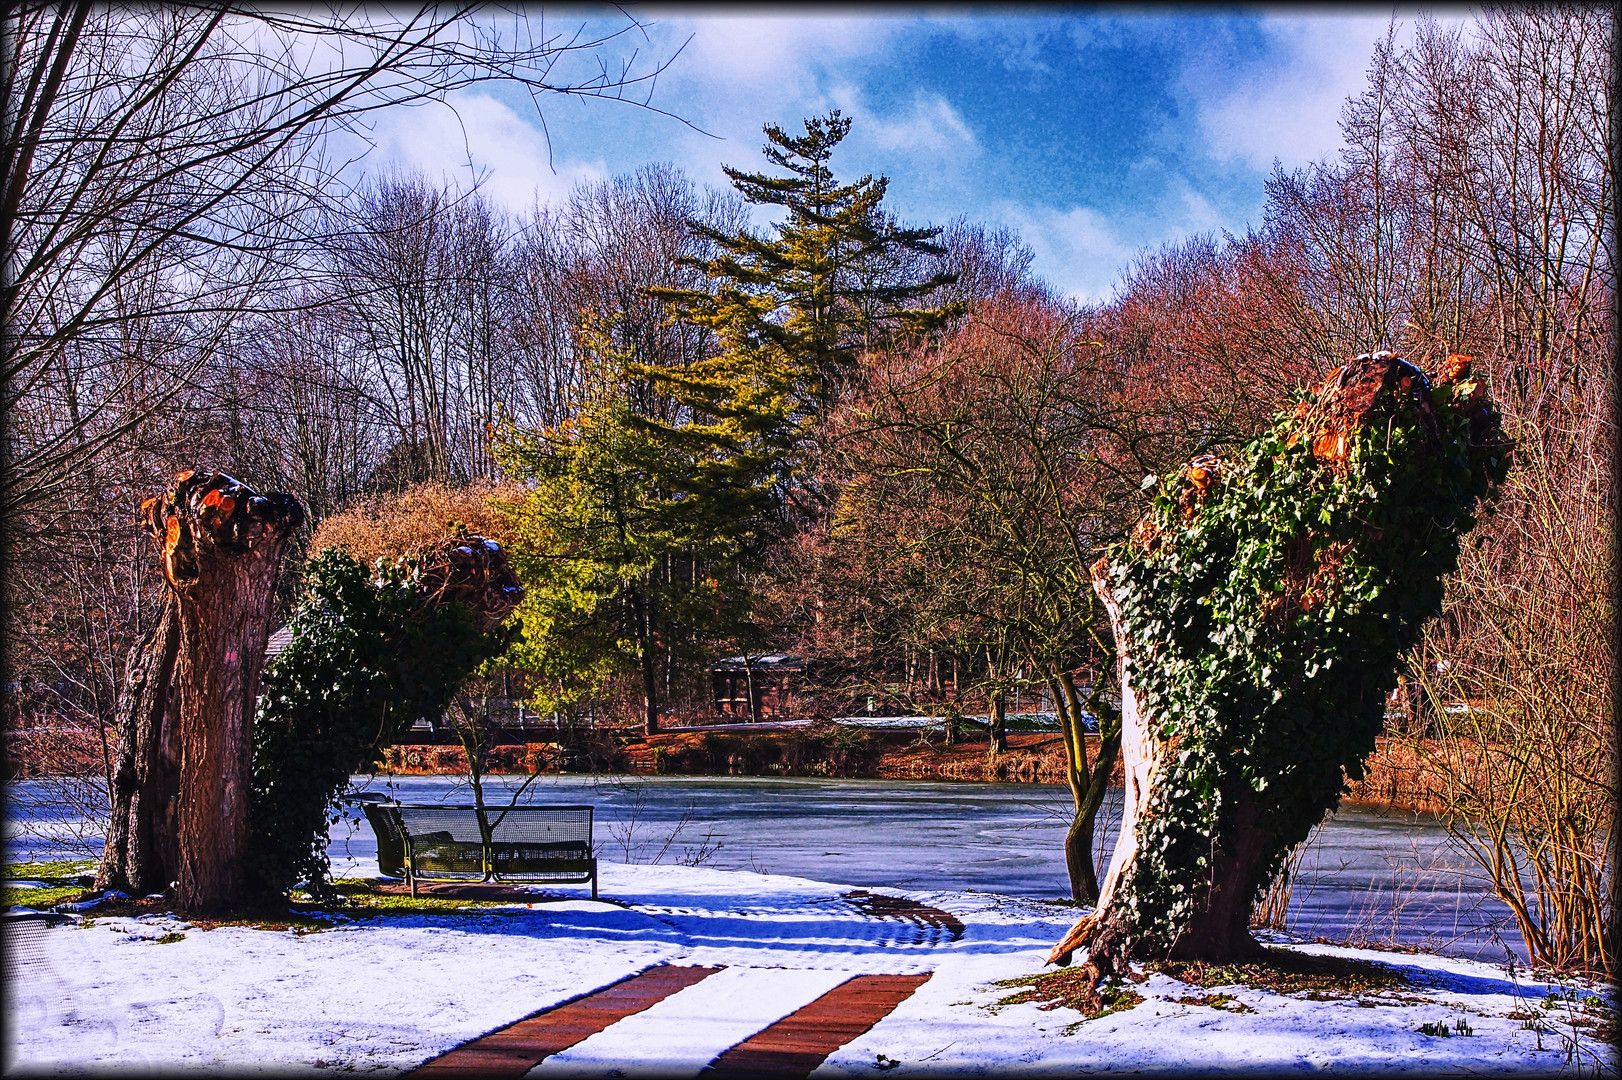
<point x="1094" y="133"/>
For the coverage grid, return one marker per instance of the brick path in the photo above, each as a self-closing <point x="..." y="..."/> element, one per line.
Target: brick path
<point x="790" y="1047"/>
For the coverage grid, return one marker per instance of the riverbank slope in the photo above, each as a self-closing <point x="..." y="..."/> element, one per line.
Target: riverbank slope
<point x="1395" y="775"/>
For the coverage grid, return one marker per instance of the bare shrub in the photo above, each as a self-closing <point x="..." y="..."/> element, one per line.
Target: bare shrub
<point x="415" y="520"/>
<point x="1526" y="761"/>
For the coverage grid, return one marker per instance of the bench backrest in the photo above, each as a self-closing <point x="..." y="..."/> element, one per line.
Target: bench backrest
<point x="390" y="837"/>
<point x="512" y="825"/>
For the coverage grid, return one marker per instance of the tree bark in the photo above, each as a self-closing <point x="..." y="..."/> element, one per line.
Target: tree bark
<point x="999" y="723"/>
<point x="1140" y="752"/>
<point x="221" y="544"/>
<point x="645" y="653"/>
<point x="1219" y="931"/>
<point x="1087" y="786"/>
<point x="650" y="695"/>
<point x="139" y="855"/>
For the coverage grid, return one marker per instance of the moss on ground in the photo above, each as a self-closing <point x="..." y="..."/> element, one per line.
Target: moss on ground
<point x="1070" y="988"/>
<point x="1283" y="971"/>
<point x="1225" y="1002"/>
<point x="362" y="900"/>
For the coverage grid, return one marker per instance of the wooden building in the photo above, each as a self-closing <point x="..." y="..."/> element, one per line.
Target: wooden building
<point x="775" y="680"/>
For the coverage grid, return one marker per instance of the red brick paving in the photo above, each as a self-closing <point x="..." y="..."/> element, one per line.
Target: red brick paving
<point x="518" y="1048"/>
<point x="799" y="1042"/>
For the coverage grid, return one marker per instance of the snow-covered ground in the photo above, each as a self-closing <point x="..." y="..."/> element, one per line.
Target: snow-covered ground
<point x="387" y="993"/>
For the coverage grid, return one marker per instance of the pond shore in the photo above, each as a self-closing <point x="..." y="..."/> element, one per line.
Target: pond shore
<point x="1394" y="777"/>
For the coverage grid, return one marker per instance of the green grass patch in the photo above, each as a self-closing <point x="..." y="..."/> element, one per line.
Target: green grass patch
<point x="62" y="878"/>
<point x="171" y="937"/>
<point x="39" y="898"/>
<point x="60" y="871"/>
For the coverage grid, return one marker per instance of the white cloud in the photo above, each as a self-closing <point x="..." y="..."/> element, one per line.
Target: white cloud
<point x="1289" y="106"/>
<point x="931" y="126"/>
<point x="1076" y="250"/>
<point x="774" y="49"/>
<point x="480" y="137"/>
<point x="1198" y="214"/>
<point x="1083" y="253"/>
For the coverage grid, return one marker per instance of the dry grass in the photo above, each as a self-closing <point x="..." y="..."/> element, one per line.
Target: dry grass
<point x="1321" y="978"/>
<point x="388" y="526"/>
<point x="1071" y="988"/>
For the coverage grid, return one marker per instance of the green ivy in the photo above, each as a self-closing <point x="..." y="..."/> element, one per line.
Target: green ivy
<point x="369" y="656"/>
<point x="1253" y="692"/>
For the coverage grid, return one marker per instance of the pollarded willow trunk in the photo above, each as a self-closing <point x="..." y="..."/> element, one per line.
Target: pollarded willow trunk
<point x="1259" y="611"/>
<point x="185" y="769"/>
<point x="139" y="849"/>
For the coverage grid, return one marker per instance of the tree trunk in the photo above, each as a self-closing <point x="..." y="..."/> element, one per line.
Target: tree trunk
<point x="1140" y="753"/>
<point x="1220" y="930"/>
<point x="1109" y="751"/>
<point x="222" y="546"/>
<point x="999" y="723"/>
<point x="650" y="697"/>
<point x="139" y="854"/>
<point x="650" y="677"/>
<point x="1188" y="892"/>
<point x="749" y="688"/>
<point x="1087" y="787"/>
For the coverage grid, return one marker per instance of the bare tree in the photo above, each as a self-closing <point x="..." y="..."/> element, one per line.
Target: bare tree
<point x="588" y="266"/>
<point x="159" y="162"/>
<point x="304" y="420"/>
<point x="416" y="296"/>
<point x="974" y="480"/>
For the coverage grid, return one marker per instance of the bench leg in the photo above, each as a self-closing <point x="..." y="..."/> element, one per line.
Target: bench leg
<point x="594" y="884"/>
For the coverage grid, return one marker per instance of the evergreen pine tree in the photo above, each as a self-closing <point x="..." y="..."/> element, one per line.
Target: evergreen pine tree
<point x="834" y="283"/>
<point x="639" y="533"/>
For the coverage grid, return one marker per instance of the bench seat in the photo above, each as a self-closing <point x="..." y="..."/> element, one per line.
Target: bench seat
<point x="527" y="843"/>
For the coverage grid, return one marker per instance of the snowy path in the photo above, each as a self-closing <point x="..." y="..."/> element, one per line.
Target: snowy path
<point x="389" y="993"/>
<point x="679" y="1022"/>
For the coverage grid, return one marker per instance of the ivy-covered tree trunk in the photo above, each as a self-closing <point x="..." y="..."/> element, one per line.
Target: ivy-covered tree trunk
<point x="1259" y="611"/>
<point x="188" y="730"/>
<point x="1218" y="929"/>
<point x="374" y="649"/>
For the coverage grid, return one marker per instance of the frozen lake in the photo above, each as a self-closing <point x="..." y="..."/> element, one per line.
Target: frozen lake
<point x="1368" y="876"/>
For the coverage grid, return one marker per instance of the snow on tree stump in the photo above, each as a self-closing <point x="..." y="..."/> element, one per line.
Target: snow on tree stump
<point x="473" y="571"/>
<point x="1260" y="610"/>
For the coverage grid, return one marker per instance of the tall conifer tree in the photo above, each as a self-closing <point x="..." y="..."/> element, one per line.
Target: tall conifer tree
<point x="839" y="278"/>
<point x="639" y="533"/>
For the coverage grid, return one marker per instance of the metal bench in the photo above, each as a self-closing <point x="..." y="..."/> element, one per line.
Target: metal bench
<point x="390" y="835"/>
<point x="435" y="842"/>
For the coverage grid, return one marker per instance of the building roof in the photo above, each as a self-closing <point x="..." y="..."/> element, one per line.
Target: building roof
<point x="279" y="640"/>
<point x="774" y="661"/>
